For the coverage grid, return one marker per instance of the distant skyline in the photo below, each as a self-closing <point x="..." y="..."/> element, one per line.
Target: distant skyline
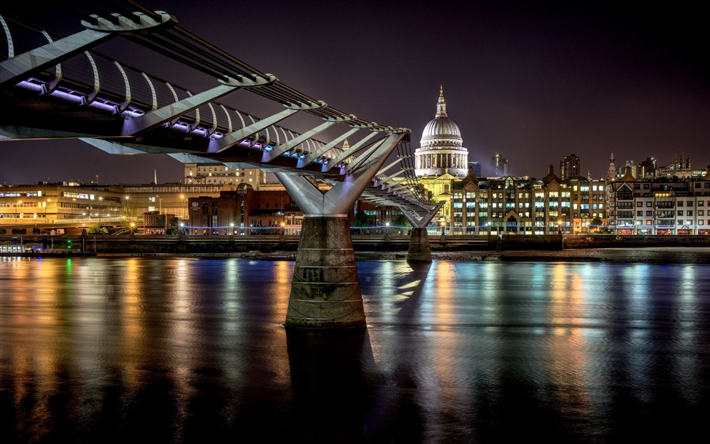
<point x="533" y="81"/>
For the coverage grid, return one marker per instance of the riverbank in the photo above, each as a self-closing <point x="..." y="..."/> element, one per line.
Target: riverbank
<point x="661" y="255"/>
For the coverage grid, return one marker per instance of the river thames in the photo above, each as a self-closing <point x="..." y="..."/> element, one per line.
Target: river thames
<point x="194" y="350"/>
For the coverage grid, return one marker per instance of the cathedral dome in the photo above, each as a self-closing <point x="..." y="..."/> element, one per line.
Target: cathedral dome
<point x="441" y="131"/>
<point x="441" y="150"/>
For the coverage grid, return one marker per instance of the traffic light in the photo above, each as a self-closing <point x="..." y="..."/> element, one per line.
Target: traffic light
<point x="68" y="244"/>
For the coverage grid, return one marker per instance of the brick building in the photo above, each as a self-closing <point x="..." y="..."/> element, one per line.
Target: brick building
<point x="244" y="211"/>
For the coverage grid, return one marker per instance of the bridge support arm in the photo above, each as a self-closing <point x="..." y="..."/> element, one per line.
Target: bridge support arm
<point x="323" y="150"/>
<point x="111" y="147"/>
<point x="345" y="154"/>
<point x="18" y="68"/>
<point x="268" y="156"/>
<point x="325" y="290"/>
<point x="233" y="138"/>
<point x="158" y="117"/>
<point x="419" y="248"/>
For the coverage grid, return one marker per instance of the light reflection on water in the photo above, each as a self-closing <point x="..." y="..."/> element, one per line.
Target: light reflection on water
<point x="185" y="349"/>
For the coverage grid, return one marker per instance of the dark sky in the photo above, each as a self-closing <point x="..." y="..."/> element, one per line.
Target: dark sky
<point x="532" y="81"/>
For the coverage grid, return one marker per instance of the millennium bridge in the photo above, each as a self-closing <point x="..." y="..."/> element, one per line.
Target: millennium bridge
<point x="59" y="87"/>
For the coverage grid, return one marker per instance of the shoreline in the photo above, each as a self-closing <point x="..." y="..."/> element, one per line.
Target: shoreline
<point x="657" y="255"/>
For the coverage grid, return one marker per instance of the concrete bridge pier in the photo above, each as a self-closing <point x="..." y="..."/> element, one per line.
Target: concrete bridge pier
<point x="325" y="292"/>
<point x="419" y="249"/>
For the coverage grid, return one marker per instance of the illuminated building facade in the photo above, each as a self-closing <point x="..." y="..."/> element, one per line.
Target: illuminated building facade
<point x="244" y="211"/>
<point x="219" y="174"/>
<point x="58" y="203"/>
<point x="660" y="206"/>
<point x="514" y="205"/>
<point x="499" y="165"/>
<point x="569" y="167"/>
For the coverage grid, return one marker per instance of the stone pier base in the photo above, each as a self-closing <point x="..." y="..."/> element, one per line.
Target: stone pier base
<point x="325" y="292"/>
<point x="419" y="249"/>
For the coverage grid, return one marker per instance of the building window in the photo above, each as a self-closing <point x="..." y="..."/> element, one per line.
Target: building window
<point x="649" y="204"/>
<point x="624" y="194"/>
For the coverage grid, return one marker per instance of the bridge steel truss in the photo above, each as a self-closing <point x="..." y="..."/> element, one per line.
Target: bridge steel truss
<point x="61" y="89"/>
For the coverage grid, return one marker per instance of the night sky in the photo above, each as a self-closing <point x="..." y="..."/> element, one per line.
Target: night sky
<point x="532" y="81"/>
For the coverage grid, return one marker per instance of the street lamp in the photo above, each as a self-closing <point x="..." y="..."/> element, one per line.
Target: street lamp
<point x="387" y="228"/>
<point x="283" y="228"/>
<point x="231" y="225"/>
<point x="559" y="226"/>
<point x="443" y="227"/>
<point x="133" y="224"/>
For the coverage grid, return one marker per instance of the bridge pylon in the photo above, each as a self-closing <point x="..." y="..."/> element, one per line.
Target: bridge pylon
<point x="325" y="291"/>
<point x="419" y="248"/>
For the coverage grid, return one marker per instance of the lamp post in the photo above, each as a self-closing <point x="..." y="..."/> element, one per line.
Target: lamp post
<point x="231" y="225"/>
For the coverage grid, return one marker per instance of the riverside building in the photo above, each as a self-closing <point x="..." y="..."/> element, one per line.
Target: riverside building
<point x="218" y="174"/>
<point x="672" y="206"/>
<point x="523" y="205"/>
<point x="59" y="203"/>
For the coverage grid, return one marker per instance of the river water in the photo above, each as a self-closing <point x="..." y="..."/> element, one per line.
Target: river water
<point x="193" y="350"/>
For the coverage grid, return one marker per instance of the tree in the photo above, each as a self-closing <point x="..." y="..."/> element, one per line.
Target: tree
<point x="361" y="220"/>
<point x="172" y="230"/>
<point x="596" y="222"/>
<point x="97" y="229"/>
<point x="401" y="222"/>
<point x="130" y="213"/>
